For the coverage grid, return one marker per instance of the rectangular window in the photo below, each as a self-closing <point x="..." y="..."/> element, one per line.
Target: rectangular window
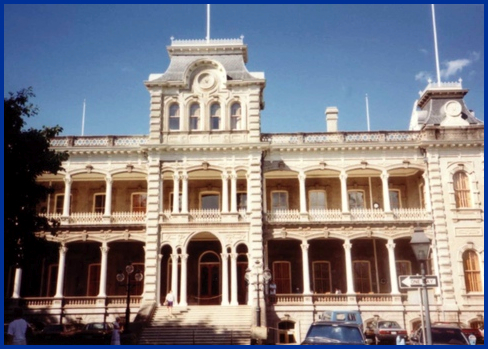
<point x="99" y="203"/>
<point x="362" y="276"/>
<point x="139" y="202"/>
<point x="59" y="202"/>
<point x="210" y="201"/>
<point x="461" y="190"/>
<point x="93" y="279"/>
<point x="282" y="277"/>
<point x="472" y="274"/>
<point x="279" y="200"/>
<point x="52" y="280"/>
<point x="322" y="282"/>
<point x="317" y="200"/>
<point x="171" y="201"/>
<point x="403" y="267"/>
<point x="174" y="117"/>
<point x="395" y="199"/>
<point x="241" y="201"/>
<point x="356" y="199"/>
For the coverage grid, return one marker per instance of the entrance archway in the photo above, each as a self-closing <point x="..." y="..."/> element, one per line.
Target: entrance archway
<point x="209" y="279"/>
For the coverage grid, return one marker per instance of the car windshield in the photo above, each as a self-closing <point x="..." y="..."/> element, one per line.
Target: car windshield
<point x="451" y="336"/>
<point x="388" y="324"/>
<point x="333" y="333"/>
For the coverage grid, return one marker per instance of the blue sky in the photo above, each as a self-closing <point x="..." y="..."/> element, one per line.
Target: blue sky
<point x="313" y="56"/>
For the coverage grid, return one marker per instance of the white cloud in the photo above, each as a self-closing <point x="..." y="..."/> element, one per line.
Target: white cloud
<point x="423" y="76"/>
<point x="454" y="67"/>
<point x="424" y="51"/>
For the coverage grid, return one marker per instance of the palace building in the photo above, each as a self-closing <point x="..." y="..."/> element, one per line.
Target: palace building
<point x="206" y="196"/>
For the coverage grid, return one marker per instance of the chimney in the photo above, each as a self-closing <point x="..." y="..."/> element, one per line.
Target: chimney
<point x="331" y="116"/>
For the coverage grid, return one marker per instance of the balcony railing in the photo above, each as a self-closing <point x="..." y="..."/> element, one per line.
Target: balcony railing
<point x="78" y="302"/>
<point x="91" y="218"/>
<point x="340" y="299"/>
<point x="317" y="215"/>
<point x="204" y="216"/>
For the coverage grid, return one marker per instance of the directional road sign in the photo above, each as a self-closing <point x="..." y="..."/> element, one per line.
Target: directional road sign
<point x="415" y="281"/>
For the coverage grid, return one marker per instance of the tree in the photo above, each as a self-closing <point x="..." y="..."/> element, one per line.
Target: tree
<point x="27" y="156"/>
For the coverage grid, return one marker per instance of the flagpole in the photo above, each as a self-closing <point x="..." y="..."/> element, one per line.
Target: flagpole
<point x="83" y="119"/>
<point x="367" y="111"/>
<point x="208" y="23"/>
<point x="436" y="50"/>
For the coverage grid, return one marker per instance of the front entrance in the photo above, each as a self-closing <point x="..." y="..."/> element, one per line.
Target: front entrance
<point x="209" y="288"/>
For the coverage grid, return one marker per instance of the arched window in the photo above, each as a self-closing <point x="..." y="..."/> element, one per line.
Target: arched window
<point x="215" y="116"/>
<point x="461" y="189"/>
<point x="472" y="274"/>
<point x="194" y="116"/>
<point x="235" y="116"/>
<point x="174" y="117"/>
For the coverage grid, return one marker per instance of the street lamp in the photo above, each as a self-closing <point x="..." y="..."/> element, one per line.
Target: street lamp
<point x="420" y="244"/>
<point x="121" y="276"/>
<point x="266" y="278"/>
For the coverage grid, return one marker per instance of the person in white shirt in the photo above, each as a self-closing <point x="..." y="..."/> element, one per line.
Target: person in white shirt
<point x="17" y="329"/>
<point x="170" y="298"/>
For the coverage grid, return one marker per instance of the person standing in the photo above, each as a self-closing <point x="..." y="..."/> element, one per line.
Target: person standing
<point x="17" y="329"/>
<point x="170" y="298"/>
<point x="116" y="332"/>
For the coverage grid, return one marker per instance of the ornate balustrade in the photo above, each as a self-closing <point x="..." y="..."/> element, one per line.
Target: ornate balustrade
<point x="317" y="215"/>
<point x="98" y="218"/>
<point x="205" y="216"/>
<point x="79" y="302"/>
<point x="95" y="141"/>
<point x="341" y="299"/>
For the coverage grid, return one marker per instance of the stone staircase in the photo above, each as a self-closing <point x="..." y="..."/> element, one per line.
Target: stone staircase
<point x="199" y="325"/>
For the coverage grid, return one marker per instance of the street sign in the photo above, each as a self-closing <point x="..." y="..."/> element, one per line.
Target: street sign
<point x="415" y="281"/>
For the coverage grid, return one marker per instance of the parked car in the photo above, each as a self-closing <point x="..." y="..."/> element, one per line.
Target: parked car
<point x="94" y="333"/>
<point x="347" y="316"/>
<point x="57" y="334"/>
<point x="441" y="335"/>
<point x="480" y="338"/>
<point x="335" y="333"/>
<point x="385" y="332"/>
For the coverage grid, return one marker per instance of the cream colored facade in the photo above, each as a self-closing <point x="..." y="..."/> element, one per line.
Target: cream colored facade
<point x="205" y="195"/>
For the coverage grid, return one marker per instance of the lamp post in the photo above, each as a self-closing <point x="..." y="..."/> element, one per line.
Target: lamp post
<point x="266" y="277"/>
<point x="420" y="244"/>
<point x="121" y="276"/>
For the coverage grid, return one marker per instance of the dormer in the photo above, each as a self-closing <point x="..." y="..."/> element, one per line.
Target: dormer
<point x="207" y="95"/>
<point x="442" y="104"/>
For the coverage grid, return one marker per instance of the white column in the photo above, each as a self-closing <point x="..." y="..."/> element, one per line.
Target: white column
<point x="386" y="191"/>
<point x="250" y="289"/>
<point x="61" y="265"/>
<point x="161" y="195"/>
<point x="350" y="282"/>
<point x="233" y="279"/>
<point x="233" y="192"/>
<point x="390" y="245"/>
<point x="344" y="198"/>
<point x="248" y="179"/>
<point x="67" y="195"/>
<point x="103" y="270"/>
<point x="184" y="193"/>
<point x="306" y="269"/>
<point x="303" y="193"/>
<point x="174" y="276"/>
<point x="176" y="193"/>
<point x="225" y="193"/>
<point x="225" y="278"/>
<point x="183" y="282"/>
<point x="428" y="205"/>
<point x="17" y="283"/>
<point x="108" y="196"/>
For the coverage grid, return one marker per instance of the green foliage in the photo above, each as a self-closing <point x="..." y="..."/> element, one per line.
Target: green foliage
<point x="27" y="156"/>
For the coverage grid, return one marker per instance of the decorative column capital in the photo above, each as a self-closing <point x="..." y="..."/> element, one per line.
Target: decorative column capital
<point x="225" y="176"/>
<point x="63" y="249"/>
<point x="67" y="179"/>
<point x="109" y="179"/>
<point x="302" y="176"/>
<point x="390" y="244"/>
<point x="385" y="175"/>
<point x="184" y="256"/>
<point x="343" y="175"/>
<point x="174" y="257"/>
<point x="305" y="246"/>
<point x="104" y="248"/>
<point x="176" y="176"/>
<point x="233" y="175"/>
<point x="347" y="245"/>
<point x="224" y="256"/>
